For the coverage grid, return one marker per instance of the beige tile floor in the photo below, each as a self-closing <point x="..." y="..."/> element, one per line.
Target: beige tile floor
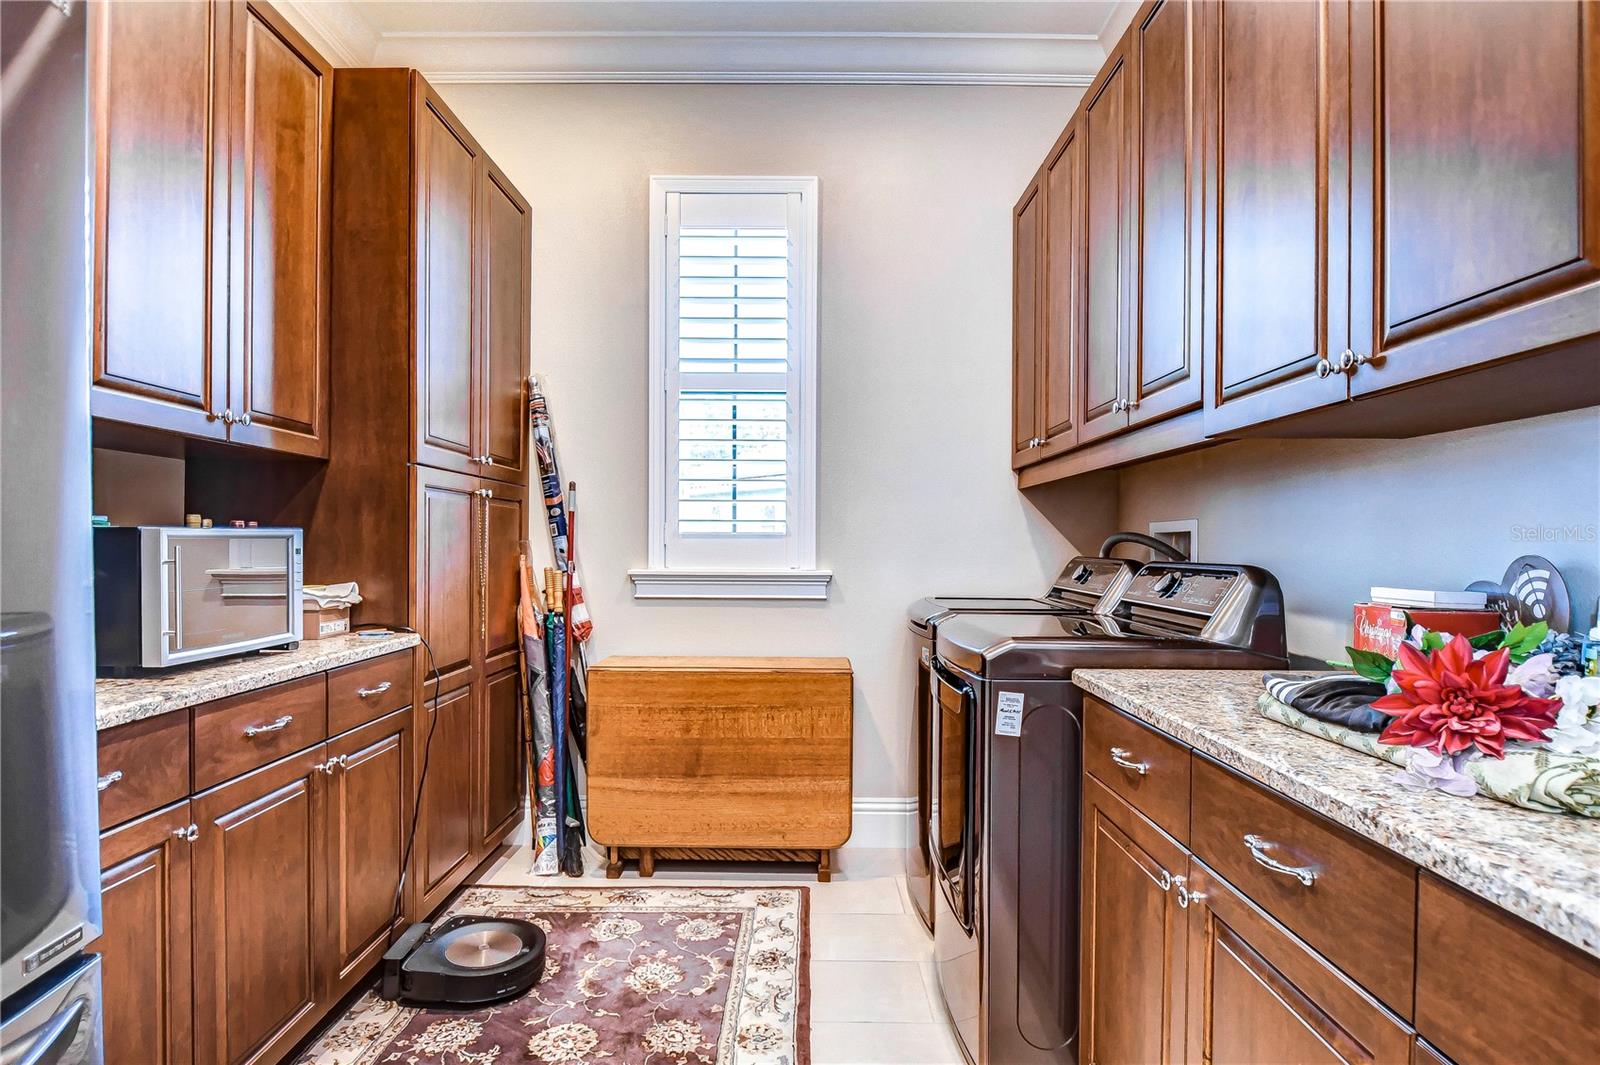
<point x="873" y="998"/>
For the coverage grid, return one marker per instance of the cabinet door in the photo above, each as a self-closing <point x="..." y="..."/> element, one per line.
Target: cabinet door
<point x="1476" y="208"/>
<point x="445" y="834"/>
<point x="260" y="876"/>
<point x="160" y="215"/>
<point x="1164" y="371"/>
<point x="1134" y="935"/>
<point x="1026" y="247"/>
<point x="369" y="814"/>
<point x="1256" y="993"/>
<point x="1276" y="118"/>
<point x="282" y="110"/>
<point x="448" y="546"/>
<point x="1062" y="296"/>
<point x="499" y="758"/>
<point x="507" y="263"/>
<point x="502" y="530"/>
<point x="145" y="948"/>
<point x="448" y="372"/>
<point x="1108" y="207"/>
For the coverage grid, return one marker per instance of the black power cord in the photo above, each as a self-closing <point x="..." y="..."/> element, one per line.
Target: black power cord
<point x="422" y="777"/>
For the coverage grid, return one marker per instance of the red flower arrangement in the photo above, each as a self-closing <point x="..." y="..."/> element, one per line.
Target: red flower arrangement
<point x="1449" y="703"/>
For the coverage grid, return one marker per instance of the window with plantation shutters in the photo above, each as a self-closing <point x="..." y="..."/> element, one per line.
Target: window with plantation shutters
<point x="733" y="406"/>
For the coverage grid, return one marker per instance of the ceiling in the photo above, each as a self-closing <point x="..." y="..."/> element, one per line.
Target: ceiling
<point x="1005" y="42"/>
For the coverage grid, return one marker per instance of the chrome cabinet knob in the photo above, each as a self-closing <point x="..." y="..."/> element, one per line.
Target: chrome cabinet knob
<point x="188" y="835"/>
<point x="102" y="783"/>
<point x="1347" y="361"/>
<point x="244" y="419"/>
<point x="1324" y="369"/>
<point x="227" y="416"/>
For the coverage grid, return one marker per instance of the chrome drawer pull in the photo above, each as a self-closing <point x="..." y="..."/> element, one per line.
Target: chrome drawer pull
<point x="102" y="783"/>
<point x="188" y="835"/>
<point x="277" y="726"/>
<point x="1258" y="851"/>
<point x="1124" y="757"/>
<point x="367" y="693"/>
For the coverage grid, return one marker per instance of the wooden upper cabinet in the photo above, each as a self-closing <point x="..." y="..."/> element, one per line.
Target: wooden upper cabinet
<point x="1255" y="993"/>
<point x="1476" y="207"/>
<point x="1133" y="936"/>
<point x="160" y="215"/>
<point x="1108" y="206"/>
<point x="1062" y="298"/>
<point x="1276" y="132"/>
<point x="1026" y="254"/>
<point x="1164" y="372"/>
<point x="448" y="381"/>
<point x="283" y="106"/>
<point x="145" y="948"/>
<point x="507" y="260"/>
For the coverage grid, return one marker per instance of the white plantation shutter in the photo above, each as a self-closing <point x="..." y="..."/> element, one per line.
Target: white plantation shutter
<point x="734" y="491"/>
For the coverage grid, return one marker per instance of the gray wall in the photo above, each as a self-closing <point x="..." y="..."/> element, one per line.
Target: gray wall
<point x="915" y="490"/>
<point x="1332" y="518"/>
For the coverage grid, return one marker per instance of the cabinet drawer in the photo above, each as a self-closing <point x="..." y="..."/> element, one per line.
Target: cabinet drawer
<point x="1157" y="785"/>
<point x="1552" y="1021"/>
<point x="143" y="765"/>
<point x="1358" y="908"/>
<point x="368" y="690"/>
<point x="235" y="735"/>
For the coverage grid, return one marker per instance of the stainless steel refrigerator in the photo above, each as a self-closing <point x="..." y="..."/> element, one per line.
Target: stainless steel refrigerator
<point x="49" y="838"/>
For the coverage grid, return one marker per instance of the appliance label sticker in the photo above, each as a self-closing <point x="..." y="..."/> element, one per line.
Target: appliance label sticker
<point x="1008" y="719"/>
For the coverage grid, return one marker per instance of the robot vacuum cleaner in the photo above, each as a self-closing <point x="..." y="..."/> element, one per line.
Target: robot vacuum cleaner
<point x="464" y="961"/>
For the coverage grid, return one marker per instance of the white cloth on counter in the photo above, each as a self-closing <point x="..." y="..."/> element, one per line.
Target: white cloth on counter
<point x="326" y="595"/>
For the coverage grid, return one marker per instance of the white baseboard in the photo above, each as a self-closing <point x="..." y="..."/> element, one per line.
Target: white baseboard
<point x="888" y="823"/>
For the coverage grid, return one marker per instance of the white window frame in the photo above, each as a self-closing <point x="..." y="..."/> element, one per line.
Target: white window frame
<point x="798" y="577"/>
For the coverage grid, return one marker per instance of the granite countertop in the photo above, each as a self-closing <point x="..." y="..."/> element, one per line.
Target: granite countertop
<point x="119" y="701"/>
<point x="1540" y="866"/>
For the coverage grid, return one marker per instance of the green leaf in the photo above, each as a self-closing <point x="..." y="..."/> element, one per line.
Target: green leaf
<point x="1523" y="640"/>
<point x="1371" y="664"/>
<point x="1488" y="641"/>
<point x="1432" y="641"/>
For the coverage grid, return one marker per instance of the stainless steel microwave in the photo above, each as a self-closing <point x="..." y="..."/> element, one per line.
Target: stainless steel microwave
<point x="171" y="596"/>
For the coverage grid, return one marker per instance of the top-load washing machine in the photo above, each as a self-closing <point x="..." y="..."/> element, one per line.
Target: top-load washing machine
<point x="1088" y="583"/>
<point x="1007" y="781"/>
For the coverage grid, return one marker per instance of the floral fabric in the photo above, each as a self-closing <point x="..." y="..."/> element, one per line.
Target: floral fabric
<point x="1533" y="778"/>
<point x="653" y="976"/>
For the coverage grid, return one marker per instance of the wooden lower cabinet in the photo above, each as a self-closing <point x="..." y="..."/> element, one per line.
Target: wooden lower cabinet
<point x="499" y="758"/>
<point x="369" y="814"/>
<point x="1133" y="936"/>
<point x="145" y="949"/>
<point x="260" y="910"/>
<point x="446" y="834"/>
<point x="1257" y="994"/>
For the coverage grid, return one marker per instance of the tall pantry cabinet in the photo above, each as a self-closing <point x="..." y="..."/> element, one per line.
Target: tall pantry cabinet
<point x="424" y="500"/>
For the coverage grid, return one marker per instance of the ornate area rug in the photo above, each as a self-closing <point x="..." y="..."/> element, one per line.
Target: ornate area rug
<point x="647" y="975"/>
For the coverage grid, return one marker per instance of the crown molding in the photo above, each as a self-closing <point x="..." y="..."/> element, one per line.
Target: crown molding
<point x="709" y="57"/>
<point x="764" y="57"/>
<point x="748" y="77"/>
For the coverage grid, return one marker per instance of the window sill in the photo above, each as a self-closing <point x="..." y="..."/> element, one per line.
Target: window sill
<point x="811" y="584"/>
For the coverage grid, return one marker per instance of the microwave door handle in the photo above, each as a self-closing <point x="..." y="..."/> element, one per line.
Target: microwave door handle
<point x="173" y="614"/>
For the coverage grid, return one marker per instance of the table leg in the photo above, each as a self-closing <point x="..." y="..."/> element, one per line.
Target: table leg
<point x="613" y="863"/>
<point x="647" y="862"/>
<point x="824" y="874"/>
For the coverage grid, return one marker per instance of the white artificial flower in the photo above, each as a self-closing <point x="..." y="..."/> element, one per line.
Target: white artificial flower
<point x="1577" y="728"/>
<point x="1536" y="676"/>
<point x="1429" y="769"/>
